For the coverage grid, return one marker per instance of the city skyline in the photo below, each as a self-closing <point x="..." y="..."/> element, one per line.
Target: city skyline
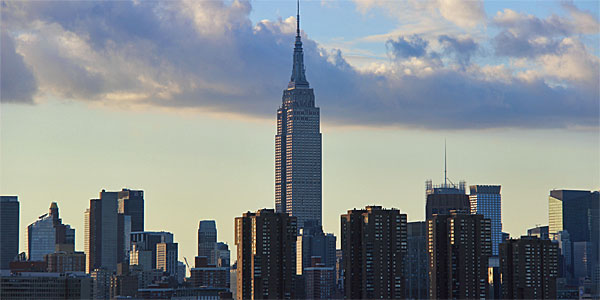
<point x="69" y="150"/>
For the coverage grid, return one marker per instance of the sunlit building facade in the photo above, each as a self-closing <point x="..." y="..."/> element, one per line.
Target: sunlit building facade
<point x="486" y="200"/>
<point x="48" y="231"/>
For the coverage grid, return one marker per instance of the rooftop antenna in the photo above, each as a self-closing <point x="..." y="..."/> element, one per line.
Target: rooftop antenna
<point x="445" y="169"/>
<point x="298" y="18"/>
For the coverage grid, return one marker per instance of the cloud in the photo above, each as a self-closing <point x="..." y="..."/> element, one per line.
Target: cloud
<point x="208" y="55"/>
<point x="462" y="48"/>
<point x="467" y="14"/>
<point x="404" y="47"/>
<point x="16" y="79"/>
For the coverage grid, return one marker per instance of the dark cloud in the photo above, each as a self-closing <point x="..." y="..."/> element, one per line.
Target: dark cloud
<point x="461" y="48"/>
<point x="16" y="79"/>
<point x="404" y="47"/>
<point x="208" y="55"/>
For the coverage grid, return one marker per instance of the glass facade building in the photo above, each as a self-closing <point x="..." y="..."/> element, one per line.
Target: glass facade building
<point x="487" y="201"/>
<point x="9" y="230"/>
<point x="48" y="231"/>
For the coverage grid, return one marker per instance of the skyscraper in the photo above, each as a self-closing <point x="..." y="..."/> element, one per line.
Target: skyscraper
<point x="313" y="242"/>
<point x="146" y="241"/>
<point x="131" y="203"/>
<point x="529" y="268"/>
<point x="107" y="233"/>
<point x="373" y="253"/>
<point x="459" y="248"/>
<point x="9" y="230"/>
<point x="207" y="240"/>
<point x="48" y="231"/>
<point x="417" y="261"/>
<point x="166" y="257"/>
<point x="266" y="256"/>
<point x="443" y="198"/>
<point x="578" y="214"/>
<point x="486" y="201"/>
<point x="298" y="146"/>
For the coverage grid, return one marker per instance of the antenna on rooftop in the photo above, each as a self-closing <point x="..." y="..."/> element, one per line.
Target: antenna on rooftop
<point x="445" y="169"/>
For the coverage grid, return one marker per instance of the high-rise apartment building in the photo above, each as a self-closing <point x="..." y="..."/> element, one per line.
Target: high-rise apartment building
<point x="577" y="213"/>
<point x="313" y="242"/>
<point x="298" y="186"/>
<point x="529" y="268"/>
<point x="417" y="261"/>
<point x="373" y="253"/>
<point x="9" y="230"/>
<point x="459" y="246"/>
<point x="207" y="240"/>
<point x="443" y="198"/>
<point x="131" y="203"/>
<point x="167" y="258"/>
<point x="266" y="256"/>
<point x="222" y="255"/>
<point x="486" y="200"/>
<point x="46" y="233"/>
<point x="206" y="275"/>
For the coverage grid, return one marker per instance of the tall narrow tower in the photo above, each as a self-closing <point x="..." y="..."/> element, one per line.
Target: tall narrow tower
<point x="298" y="146"/>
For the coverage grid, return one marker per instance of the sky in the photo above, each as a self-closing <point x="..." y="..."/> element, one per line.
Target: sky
<point x="179" y="99"/>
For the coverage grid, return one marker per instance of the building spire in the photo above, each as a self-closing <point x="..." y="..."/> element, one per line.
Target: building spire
<point x="298" y="18"/>
<point x="298" y="79"/>
<point x="445" y="170"/>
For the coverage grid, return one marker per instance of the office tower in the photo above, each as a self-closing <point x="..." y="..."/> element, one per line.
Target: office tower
<point x="167" y="258"/>
<point x="319" y="280"/>
<point x="313" y="242"/>
<point x="207" y="240"/>
<point x="339" y="274"/>
<point x="131" y="203"/>
<point x="459" y="247"/>
<point x="373" y="253"/>
<point x="298" y="146"/>
<point x="417" y="261"/>
<point x="529" y="268"/>
<point x="65" y="260"/>
<point x="147" y="241"/>
<point x="9" y="230"/>
<point x="578" y="214"/>
<point x="106" y="233"/>
<point x="222" y="255"/>
<point x="539" y="231"/>
<point x="206" y="275"/>
<point x="45" y="234"/>
<point x="266" y="256"/>
<point x="142" y="258"/>
<point x="443" y="198"/>
<point x="45" y="286"/>
<point x="486" y="201"/>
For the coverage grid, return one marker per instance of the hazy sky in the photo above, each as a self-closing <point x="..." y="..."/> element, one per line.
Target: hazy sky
<point x="179" y="99"/>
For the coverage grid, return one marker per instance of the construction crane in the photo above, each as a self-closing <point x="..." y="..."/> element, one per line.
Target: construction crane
<point x="188" y="265"/>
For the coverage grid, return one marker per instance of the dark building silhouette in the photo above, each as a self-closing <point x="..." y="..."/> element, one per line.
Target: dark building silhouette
<point x="417" y="261"/>
<point x="373" y="253"/>
<point x="207" y="240"/>
<point x="298" y="185"/>
<point x="207" y="275"/>
<point x="576" y="215"/>
<point x="313" y="242"/>
<point x="443" y="198"/>
<point x="106" y="233"/>
<point x="266" y="256"/>
<point x="319" y="280"/>
<point x="131" y="203"/>
<point x="529" y="268"/>
<point x="9" y="230"/>
<point x="459" y="248"/>
<point x="45" y="286"/>
<point x="540" y="232"/>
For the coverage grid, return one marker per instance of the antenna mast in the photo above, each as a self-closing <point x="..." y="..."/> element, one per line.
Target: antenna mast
<point x="445" y="169"/>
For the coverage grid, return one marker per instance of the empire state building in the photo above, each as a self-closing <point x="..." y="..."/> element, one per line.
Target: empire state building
<point x="298" y="146"/>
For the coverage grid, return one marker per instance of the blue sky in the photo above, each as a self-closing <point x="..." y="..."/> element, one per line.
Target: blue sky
<point x="179" y="99"/>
